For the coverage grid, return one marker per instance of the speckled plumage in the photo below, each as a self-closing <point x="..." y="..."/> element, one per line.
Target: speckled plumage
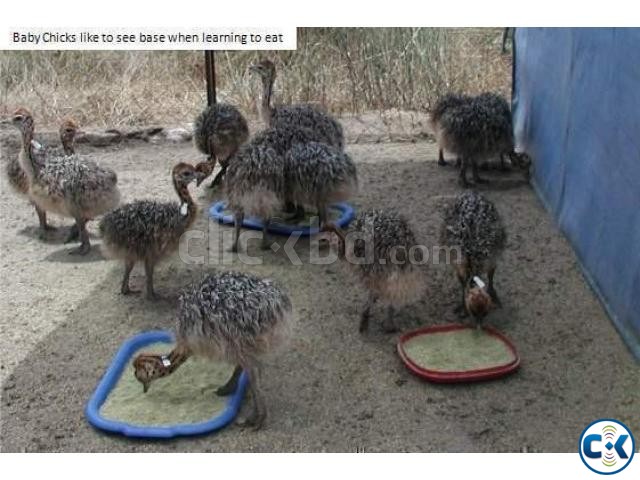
<point x="474" y="225"/>
<point x="496" y="103"/>
<point x="317" y="174"/>
<point x="322" y="126"/>
<point x="387" y="262"/>
<point x="222" y="127"/>
<point x="475" y="131"/>
<point x="255" y="179"/>
<point x="384" y="231"/>
<point x="499" y="127"/>
<point x="234" y="316"/>
<point x="445" y="103"/>
<point x="283" y="139"/>
<point x="74" y="186"/>
<point x="144" y="228"/>
<point x="463" y="131"/>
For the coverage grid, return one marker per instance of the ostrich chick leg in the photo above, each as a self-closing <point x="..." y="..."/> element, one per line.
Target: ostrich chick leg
<point x="232" y="384"/>
<point x="42" y="220"/>
<point x="366" y="313"/>
<point x="85" y="245"/>
<point x="266" y="244"/>
<point x="239" y="218"/>
<point x="148" y="272"/>
<point x="462" y="178"/>
<point x="389" y="325"/>
<point x="474" y="169"/>
<point x="259" y="414"/>
<point x="441" y="161"/>
<point x="461" y="309"/>
<point x="73" y="234"/>
<point x="124" y="288"/>
<point x="295" y="212"/>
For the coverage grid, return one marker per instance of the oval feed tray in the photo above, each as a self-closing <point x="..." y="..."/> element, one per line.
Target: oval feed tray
<point x="458" y="353"/>
<point x="111" y="383"/>
<point x="344" y="210"/>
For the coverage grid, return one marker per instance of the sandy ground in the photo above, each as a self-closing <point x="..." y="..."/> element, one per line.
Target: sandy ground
<point x="332" y="389"/>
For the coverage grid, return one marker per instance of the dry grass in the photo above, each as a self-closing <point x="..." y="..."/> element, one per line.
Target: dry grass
<point x="348" y="70"/>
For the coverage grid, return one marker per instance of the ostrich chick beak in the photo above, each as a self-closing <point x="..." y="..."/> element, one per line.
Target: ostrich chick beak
<point x="145" y="387"/>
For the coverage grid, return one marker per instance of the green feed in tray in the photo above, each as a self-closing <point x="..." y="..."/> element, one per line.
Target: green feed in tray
<point x="187" y="396"/>
<point x="458" y="351"/>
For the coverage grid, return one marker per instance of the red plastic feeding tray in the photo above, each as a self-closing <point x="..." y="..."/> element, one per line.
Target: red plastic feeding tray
<point x="508" y="362"/>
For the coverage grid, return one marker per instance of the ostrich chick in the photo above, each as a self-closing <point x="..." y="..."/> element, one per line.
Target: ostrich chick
<point x="68" y="185"/>
<point x="324" y="127"/>
<point x="219" y="131"/>
<point x="255" y="186"/>
<point x="148" y="231"/>
<point x="386" y="258"/>
<point x="474" y="228"/>
<point x="255" y="180"/>
<point x="19" y="181"/>
<point x="230" y="316"/>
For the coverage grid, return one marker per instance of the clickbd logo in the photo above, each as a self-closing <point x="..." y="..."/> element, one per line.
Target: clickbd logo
<point x="607" y="446"/>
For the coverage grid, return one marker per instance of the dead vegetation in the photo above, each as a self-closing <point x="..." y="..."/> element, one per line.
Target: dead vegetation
<point x="347" y="70"/>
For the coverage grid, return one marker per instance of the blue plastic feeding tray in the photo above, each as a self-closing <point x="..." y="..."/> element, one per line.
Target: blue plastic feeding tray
<point x="346" y="211"/>
<point x="121" y="364"/>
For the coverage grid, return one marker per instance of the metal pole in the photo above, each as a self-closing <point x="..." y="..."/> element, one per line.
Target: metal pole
<point x="210" y="73"/>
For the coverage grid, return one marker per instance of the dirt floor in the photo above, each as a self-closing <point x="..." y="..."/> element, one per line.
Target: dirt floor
<point x="332" y="389"/>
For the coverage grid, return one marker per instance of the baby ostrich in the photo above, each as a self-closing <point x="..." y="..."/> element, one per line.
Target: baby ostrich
<point x="318" y="175"/>
<point x="19" y="181"/>
<point x="66" y="185"/>
<point x="474" y="227"/>
<point x="474" y="132"/>
<point x="323" y="127"/>
<point x="148" y="231"/>
<point x="218" y="133"/>
<point x="255" y="179"/>
<point x="385" y="254"/>
<point x="235" y="317"/>
<point x="444" y="103"/>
